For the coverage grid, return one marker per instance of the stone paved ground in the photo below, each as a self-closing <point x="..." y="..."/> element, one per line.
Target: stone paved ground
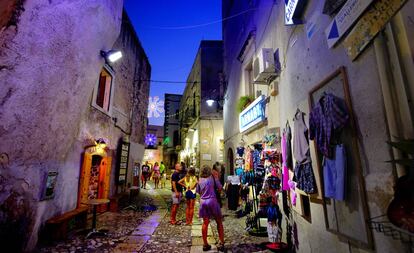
<point x="119" y="226"/>
<point x="182" y="238"/>
<point x="150" y="231"/>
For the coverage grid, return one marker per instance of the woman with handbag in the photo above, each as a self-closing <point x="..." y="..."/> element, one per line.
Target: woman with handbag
<point x="189" y="182"/>
<point x="209" y="188"/>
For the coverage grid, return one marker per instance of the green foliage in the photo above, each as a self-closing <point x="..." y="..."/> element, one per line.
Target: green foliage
<point x="244" y="101"/>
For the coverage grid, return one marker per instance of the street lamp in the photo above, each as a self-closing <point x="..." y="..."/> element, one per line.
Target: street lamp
<point x="210" y="102"/>
<point x="111" y="55"/>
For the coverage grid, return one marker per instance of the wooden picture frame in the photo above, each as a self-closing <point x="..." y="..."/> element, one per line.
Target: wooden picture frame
<point x="347" y="219"/>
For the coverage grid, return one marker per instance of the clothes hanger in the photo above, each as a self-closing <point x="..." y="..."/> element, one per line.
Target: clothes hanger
<point x="296" y="113"/>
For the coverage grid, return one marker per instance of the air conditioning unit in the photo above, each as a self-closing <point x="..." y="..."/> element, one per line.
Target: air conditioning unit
<point x="264" y="66"/>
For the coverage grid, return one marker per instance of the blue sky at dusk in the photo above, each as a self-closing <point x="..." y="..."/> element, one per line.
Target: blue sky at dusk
<point x="171" y="46"/>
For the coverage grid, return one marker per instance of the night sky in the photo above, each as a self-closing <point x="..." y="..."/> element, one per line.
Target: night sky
<point x="170" y="34"/>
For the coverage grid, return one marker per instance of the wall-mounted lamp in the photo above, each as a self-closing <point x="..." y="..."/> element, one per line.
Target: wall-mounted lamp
<point x="210" y="102"/>
<point x="191" y="129"/>
<point x="111" y="55"/>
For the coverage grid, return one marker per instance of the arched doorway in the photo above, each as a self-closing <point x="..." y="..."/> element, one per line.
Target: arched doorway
<point x="230" y="160"/>
<point x="94" y="176"/>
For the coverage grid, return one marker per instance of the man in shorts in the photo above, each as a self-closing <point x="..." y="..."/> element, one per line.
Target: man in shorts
<point x="176" y="195"/>
<point x="145" y="170"/>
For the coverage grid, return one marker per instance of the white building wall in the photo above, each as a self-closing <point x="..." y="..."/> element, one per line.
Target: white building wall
<point x="306" y="62"/>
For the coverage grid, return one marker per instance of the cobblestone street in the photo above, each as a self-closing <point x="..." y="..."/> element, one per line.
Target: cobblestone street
<point x="150" y="231"/>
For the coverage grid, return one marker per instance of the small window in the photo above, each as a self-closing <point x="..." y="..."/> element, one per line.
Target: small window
<point x="103" y="91"/>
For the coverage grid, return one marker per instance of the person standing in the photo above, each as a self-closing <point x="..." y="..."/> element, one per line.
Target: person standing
<point x="163" y="174"/>
<point x="189" y="182"/>
<point x="145" y="170"/>
<point x="215" y="172"/>
<point x="156" y="174"/>
<point x="176" y="189"/>
<point x="209" y="187"/>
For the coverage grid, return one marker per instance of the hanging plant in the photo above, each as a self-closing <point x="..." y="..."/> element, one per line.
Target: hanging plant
<point x="244" y="101"/>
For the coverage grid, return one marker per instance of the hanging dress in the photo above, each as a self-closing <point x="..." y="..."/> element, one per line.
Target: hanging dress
<point x="303" y="170"/>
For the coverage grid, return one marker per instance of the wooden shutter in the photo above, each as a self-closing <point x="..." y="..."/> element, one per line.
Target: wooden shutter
<point x="84" y="178"/>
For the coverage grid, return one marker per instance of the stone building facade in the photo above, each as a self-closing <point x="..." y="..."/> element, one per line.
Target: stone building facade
<point x="201" y="125"/>
<point x="385" y="67"/>
<point x="51" y="108"/>
<point x="171" y="129"/>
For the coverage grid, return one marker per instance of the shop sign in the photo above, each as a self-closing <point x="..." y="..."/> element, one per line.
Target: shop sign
<point x="370" y="24"/>
<point x="123" y="162"/>
<point x="345" y="18"/>
<point x="253" y="114"/>
<point x="293" y="11"/>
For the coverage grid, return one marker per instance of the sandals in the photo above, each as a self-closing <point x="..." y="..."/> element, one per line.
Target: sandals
<point x="206" y="247"/>
<point x="220" y="247"/>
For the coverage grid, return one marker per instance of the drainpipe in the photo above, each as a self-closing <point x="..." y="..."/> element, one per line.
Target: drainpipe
<point x="389" y="95"/>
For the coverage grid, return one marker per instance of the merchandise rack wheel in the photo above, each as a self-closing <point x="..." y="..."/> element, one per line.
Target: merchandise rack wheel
<point x="275" y="247"/>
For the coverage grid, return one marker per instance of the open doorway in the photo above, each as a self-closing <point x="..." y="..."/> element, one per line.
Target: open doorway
<point x="230" y="161"/>
<point x="94" y="177"/>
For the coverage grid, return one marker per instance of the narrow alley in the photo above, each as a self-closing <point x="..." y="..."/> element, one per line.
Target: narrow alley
<point x="206" y="126"/>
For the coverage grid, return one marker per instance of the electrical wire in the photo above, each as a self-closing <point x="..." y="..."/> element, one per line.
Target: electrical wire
<point x="165" y="81"/>
<point x="197" y="25"/>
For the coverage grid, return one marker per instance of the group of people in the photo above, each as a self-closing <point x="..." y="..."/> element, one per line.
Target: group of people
<point x="208" y="186"/>
<point x="156" y="172"/>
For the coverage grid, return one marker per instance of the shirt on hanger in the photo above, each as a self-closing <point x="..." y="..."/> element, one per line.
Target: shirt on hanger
<point x="328" y="116"/>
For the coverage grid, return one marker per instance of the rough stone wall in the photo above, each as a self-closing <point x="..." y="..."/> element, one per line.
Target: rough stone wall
<point x="305" y="62"/>
<point x="132" y="85"/>
<point x="210" y="134"/>
<point x="50" y="63"/>
<point x="131" y="92"/>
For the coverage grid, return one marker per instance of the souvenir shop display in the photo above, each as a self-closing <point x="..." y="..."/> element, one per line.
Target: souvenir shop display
<point x="261" y="184"/>
<point x="333" y="129"/>
<point x="326" y="121"/>
<point x="304" y="176"/>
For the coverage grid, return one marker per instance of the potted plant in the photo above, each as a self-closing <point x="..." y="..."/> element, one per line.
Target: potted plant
<point x="243" y="102"/>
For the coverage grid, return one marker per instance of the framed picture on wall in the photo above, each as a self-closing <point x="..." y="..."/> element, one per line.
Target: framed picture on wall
<point x="50" y="180"/>
<point x="345" y="216"/>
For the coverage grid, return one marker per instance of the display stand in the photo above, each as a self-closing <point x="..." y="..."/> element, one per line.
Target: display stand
<point x="258" y="230"/>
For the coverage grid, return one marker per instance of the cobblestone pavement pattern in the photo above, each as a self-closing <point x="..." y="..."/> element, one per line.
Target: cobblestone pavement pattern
<point x="150" y="231"/>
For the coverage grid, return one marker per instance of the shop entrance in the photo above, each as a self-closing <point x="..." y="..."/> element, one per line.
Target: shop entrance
<point x="94" y="176"/>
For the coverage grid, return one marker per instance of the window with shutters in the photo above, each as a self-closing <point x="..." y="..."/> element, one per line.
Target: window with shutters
<point x="103" y="92"/>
